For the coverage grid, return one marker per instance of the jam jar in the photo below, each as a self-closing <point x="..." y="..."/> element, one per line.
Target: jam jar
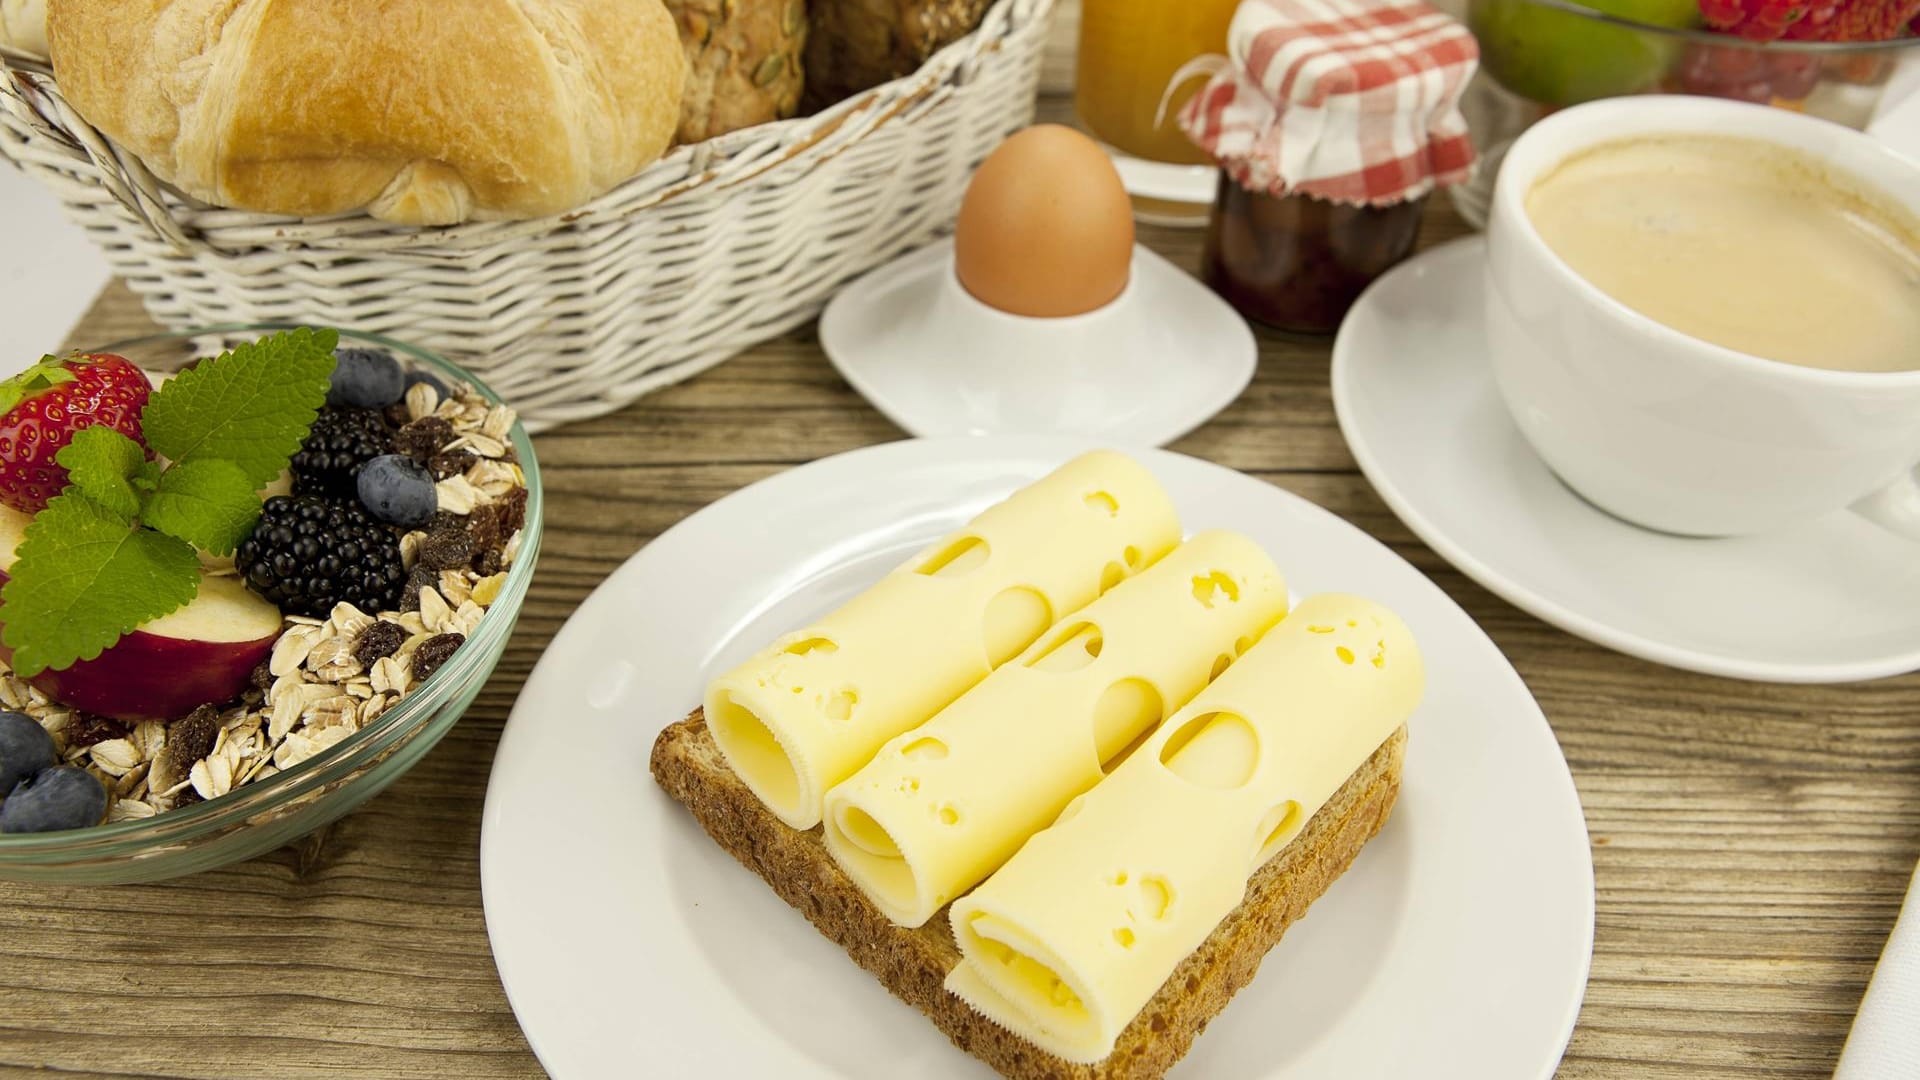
<point x="1296" y="262"/>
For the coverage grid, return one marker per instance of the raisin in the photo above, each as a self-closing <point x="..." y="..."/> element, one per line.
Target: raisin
<point x="515" y="502"/>
<point x="487" y="563"/>
<point x="494" y="523"/>
<point x="422" y="439"/>
<point x="444" y="551"/>
<point x="192" y="737"/>
<point x="434" y="652"/>
<point x="396" y="414"/>
<point x="86" y="729"/>
<point x="189" y="739"/>
<point x="380" y="640"/>
<point x="451" y="463"/>
<point x="262" y="677"/>
<point x="423" y="577"/>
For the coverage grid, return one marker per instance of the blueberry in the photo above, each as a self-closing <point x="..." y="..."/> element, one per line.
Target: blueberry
<point x="65" y="797"/>
<point x="365" y="379"/>
<point x="397" y="491"/>
<point x="25" y="749"/>
<point x="431" y="380"/>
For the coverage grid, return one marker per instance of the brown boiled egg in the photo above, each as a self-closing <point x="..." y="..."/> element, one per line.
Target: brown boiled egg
<point x="1046" y="228"/>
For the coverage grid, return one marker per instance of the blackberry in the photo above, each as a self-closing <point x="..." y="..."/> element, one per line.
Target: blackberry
<point x="339" y="443"/>
<point x="308" y="554"/>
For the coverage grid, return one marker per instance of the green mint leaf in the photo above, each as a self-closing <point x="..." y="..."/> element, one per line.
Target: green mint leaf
<point x="50" y="372"/>
<point x="208" y="503"/>
<point x="100" y="461"/>
<point x="251" y="406"/>
<point x="84" y="579"/>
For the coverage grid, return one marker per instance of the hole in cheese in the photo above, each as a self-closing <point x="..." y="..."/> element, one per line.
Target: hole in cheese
<point x="1241" y="646"/>
<point x="1126" y="710"/>
<point x="1156" y="897"/>
<point x="1124" y="937"/>
<point x="839" y="707"/>
<point x="1113" y="574"/>
<point x="947" y="815"/>
<point x="1120" y="878"/>
<point x="1217" y="584"/>
<point x="1071" y="809"/>
<point x="806" y="646"/>
<point x="1220" y="665"/>
<point x="1345" y="654"/>
<point x="1073" y="648"/>
<point x="1276" y="829"/>
<point x="964" y="555"/>
<point x="1217" y="750"/>
<point x="926" y="748"/>
<point x="1104" y="503"/>
<point x="1014" y="620"/>
<point x="1132" y="555"/>
<point x="859" y="829"/>
<point x="755" y="753"/>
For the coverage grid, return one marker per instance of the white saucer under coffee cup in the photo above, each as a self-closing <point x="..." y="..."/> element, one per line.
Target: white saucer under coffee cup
<point x="1665" y="430"/>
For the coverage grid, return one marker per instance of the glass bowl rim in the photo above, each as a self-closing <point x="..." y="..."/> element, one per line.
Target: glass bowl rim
<point x="360" y="749"/>
<point x="1708" y="37"/>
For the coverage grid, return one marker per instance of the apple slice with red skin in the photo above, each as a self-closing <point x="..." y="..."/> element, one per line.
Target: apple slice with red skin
<point x="201" y="654"/>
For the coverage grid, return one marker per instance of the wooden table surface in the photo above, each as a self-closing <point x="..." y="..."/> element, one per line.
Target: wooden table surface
<point x="1751" y="843"/>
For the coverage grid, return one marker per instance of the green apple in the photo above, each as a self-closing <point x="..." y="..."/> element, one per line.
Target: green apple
<point x="1556" y="57"/>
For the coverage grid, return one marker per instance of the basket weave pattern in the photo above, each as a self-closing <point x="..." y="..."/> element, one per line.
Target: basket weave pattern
<point x="717" y="246"/>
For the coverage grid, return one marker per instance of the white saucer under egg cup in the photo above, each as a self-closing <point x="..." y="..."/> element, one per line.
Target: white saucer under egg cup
<point x="1149" y="366"/>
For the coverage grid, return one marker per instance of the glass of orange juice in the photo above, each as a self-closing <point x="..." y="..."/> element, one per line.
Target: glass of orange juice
<point x="1129" y="52"/>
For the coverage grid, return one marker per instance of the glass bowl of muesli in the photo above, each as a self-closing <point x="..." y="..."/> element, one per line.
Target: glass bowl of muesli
<point x="395" y="597"/>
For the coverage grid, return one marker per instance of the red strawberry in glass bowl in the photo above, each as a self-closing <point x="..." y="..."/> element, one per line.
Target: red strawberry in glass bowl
<point x="42" y="407"/>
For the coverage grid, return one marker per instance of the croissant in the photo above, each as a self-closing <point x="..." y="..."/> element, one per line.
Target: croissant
<point x="421" y="112"/>
<point x="23" y="25"/>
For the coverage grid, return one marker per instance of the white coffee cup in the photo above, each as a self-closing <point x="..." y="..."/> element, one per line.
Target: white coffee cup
<point x="1666" y="430"/>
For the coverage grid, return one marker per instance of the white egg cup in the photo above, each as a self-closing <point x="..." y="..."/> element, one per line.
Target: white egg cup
<point x="1149" y="366"/>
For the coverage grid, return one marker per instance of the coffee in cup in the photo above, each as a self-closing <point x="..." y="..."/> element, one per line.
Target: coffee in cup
<point x="1704" y="315"/>
<point x="1743" y="243"/>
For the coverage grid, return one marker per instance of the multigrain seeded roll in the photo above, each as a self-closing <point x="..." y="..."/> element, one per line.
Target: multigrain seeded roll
<point x="744" y="61"/>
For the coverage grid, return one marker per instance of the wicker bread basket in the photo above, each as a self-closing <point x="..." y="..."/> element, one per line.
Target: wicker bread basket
<point x="715" y="247"/>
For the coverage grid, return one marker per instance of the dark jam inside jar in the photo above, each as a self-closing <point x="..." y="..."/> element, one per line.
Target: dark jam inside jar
<point x="1296" y="262"/>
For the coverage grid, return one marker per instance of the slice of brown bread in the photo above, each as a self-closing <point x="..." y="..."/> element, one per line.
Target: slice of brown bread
<point x="914" y="963"/>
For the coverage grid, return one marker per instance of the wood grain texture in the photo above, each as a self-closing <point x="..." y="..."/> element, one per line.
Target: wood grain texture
<point x="1751" y="843"/>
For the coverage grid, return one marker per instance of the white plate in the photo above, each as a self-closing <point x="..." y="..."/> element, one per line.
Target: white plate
<point x="1143" y="371"/>
<point x="630" y="944"/>
<point x="1833" y="600"/>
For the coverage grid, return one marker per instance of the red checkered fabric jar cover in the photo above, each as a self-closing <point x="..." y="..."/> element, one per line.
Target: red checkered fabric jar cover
<point x="1353" y="101"/>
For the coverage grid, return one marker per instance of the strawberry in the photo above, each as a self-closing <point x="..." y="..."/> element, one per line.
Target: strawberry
<point x="1811" y="20"/>
<point x="42" y="407"/>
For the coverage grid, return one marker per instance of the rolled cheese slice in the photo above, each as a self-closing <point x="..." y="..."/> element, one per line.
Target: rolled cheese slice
<point x="942" y="806"/>
<point x="812" y="708"/>
<point x="1074" y="935"/>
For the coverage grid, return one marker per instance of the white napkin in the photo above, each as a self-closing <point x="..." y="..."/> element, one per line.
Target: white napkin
<point x="1885" y="1043"/>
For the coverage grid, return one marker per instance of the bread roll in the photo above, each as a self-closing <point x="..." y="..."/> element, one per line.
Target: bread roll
<point x="743" y="63"/>
<point x="858" y="44"/>
<point x="23" y="25"/>
<point x="419" y="111"/>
